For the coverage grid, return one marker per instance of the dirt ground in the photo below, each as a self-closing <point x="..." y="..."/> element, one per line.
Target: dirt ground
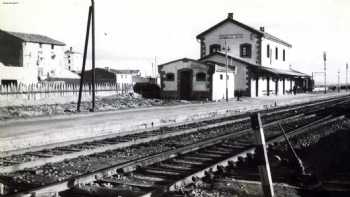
<point x="132" y="101"/>
<point x="107" y="103"/>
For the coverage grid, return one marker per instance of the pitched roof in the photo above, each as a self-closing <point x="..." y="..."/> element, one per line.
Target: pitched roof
<point x="274" y="38"/>
<point x="221" y="66"/>
<point x="125" y="71"/>
<point x="274" y="71"/>
<point x="229" y="57"/>
<point x="231" y="20"/>
<point x="36" y="38"/>
<point x="306" y="75"/>
<point x="284" y="72"/>
<point x="181" y="59"/>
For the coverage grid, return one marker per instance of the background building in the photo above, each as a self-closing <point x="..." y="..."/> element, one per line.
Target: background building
<point x="108" y="75"/>
<point x="29" y="58"/>
<point x="73" y="60"/>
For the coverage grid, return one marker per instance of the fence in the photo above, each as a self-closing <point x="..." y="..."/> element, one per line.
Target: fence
<point x="54" y="87"/>
<point x="55" y="92"/>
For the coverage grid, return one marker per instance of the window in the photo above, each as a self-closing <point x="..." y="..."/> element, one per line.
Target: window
<point x="214" y="48"/>
<point x="276" y="53"/>
<point x="268" y="50"/>
<point x="170" y="77"/>
<point x="221" y="77"/>
<point x="200" y="76"/>
<point x="284" y="55"/>
<point x="245" y="50"/>
<point x="52" y="46"/>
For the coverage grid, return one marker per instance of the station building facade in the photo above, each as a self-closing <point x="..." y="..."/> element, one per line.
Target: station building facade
<point x="191" y="79"/>
<point x="260" y="60"/>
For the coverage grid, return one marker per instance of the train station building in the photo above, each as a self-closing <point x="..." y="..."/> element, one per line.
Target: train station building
<point x="259" y="63"/>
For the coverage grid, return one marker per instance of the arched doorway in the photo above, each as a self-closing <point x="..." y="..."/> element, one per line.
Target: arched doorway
<point x="185" y="84"/>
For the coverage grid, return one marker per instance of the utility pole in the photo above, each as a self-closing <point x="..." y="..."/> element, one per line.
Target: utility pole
<point x="91" y="20"/>
<point x="346" y="83"/>
<point x="93" y="53"/>
<point x="152" y="69"/>
<point x="325" y="75"/>
<point x="84" y="59"/>
<point x="226" y="49"/>
<point x="155" y="67"/>
<point x="338" y="81"/>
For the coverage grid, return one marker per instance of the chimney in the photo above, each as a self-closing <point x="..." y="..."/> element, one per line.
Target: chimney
<point x="262" y="28"/>
<point x="230" y="15"/>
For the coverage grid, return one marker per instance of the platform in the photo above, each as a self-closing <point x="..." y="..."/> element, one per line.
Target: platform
<point x="21" y="134"/>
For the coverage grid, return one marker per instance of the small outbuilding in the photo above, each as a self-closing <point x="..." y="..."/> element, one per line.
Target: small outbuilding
<point x="190" y="79"/>
<point x="108" y="75"/>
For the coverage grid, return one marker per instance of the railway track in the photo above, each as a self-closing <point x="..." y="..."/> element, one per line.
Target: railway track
<point x="170" y="148"/>
<point x="31" y="158"/>
<point x="187" y="165"/>
<point x="241" y="177"/>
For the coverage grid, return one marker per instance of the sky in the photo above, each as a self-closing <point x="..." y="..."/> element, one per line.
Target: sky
<point x="135" y="33"/>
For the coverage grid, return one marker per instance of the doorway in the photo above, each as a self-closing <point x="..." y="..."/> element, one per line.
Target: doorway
<point x="185" y="84"/>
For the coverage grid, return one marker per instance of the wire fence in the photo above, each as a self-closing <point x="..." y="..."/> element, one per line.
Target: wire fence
<point x="54" y="87"/>
<point x="56" y="92"/>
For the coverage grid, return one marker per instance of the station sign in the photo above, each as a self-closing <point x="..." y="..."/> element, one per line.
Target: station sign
<point x="230" y="36"/>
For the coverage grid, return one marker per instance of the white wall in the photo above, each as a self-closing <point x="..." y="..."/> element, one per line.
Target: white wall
<point x="262" y="87"/>
<point x="279" y="63"/>
<point x="76" y="61"/>
<point x="48" y="61"/>
<point x="25" y="74"/>
<point x="178" y="65"/>
<point x="241" y="71"/>
<point x="124" y="78"/>
<point x="37" y="62"/>
<point x="272" y="87"/>
<point x="280" y="87"/>
<point x="229" y="28"/>
<point x="219" y="85"/>
<point x="252" y="87"/>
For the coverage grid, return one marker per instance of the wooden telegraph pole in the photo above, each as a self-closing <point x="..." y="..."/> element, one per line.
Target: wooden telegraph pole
<point x="91" y="20"/>
<point x="325" y="73"/>
<point x="346" y="83"/>
<point x="261" y="156"/>
<point x="338" y="81"/>
<point x="93" y="53"/>
<point x="225" y="37"/>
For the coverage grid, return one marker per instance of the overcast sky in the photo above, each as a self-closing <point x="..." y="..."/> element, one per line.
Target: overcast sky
<point x="130" y="33"/>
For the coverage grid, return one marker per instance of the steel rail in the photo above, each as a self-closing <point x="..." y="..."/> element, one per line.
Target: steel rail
<point x="53" y="189"/>
<point x="128" y="166"/>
